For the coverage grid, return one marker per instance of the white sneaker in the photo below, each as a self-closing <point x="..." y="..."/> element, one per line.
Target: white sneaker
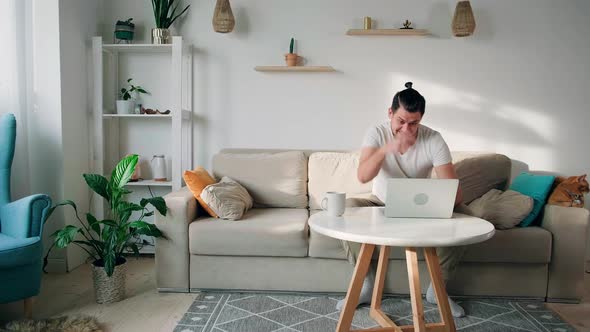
<point x="456" y="310"/>
<point x="366" y="292"/>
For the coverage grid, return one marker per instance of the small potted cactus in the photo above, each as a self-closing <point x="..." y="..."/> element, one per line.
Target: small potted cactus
<point x="291" y="57"/>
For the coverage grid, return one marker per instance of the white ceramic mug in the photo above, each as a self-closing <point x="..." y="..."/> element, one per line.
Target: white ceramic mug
<point x="335" y="203"/>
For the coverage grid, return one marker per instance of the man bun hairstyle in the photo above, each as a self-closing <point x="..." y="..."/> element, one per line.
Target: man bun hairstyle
<point x="410" y="99"/>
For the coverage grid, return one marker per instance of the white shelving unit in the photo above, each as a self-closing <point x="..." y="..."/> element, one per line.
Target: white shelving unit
<point x="166" y="71"/>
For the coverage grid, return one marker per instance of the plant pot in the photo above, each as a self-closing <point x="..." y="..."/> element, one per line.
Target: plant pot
<point x="126" y="106"/>
<point x="223" y="18"/>
<point x="124" y="31"/>
<point x="291" y="59"/>
<point x="109" y="289"/>
<point x="161" y="36"/>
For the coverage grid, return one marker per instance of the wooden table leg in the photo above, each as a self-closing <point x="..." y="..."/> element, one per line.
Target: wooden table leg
<point x="354" y="289"/>
<point x="415" y="290"/>
<point x="439" y="289"/>
<point x="376" y="313"/>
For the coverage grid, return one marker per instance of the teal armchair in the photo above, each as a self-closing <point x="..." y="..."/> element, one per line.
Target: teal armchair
<point x="21" y="226"/>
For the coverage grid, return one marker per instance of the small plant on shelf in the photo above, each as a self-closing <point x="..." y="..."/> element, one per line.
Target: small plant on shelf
<point x="127" y="91"/>
<point x="165" y="14"/>
<point x="126" y="102"/>
<point x="292" y="58"/>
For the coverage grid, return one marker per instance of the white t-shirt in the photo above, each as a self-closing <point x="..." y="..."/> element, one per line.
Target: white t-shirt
<point x="430" y="150"/>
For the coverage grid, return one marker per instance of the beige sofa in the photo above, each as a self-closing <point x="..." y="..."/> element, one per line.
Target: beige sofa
<point x="272" y="248"/>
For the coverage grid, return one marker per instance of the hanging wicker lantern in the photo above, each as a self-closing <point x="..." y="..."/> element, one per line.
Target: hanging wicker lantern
<point x="463" y="20"/>
<point x="223" y="18"/>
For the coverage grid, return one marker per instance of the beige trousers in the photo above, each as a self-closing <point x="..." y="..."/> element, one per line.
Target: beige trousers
<point x="449" y="257"/>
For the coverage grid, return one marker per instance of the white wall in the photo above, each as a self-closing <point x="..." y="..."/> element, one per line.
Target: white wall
<point x="79" y="21"/>
<point x="58" y="121"/>
<point x="518" y="86"/>
<point x="46" y="155"/>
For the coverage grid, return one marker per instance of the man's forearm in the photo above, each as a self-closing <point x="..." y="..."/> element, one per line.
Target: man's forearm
<point x="369" y="168"/>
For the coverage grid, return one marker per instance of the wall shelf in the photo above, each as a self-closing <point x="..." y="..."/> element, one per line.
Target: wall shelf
<point x="154" y="48"/>
<point x="142" y="116"/>
<point x="294" y="69"/>
<point x="387" y="32"/>
<point x="153" y="183"/>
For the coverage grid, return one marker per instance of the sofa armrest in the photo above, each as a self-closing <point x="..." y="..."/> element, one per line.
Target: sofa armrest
<point x="172" y="253"/>
<point x="25" y="217"/>
<point x="569" y="229"/>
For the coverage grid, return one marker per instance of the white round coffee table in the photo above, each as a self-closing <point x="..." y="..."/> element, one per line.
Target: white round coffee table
<point x="369" y="226"/>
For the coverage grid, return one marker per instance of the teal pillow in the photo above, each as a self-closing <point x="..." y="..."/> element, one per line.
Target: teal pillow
<point x="535" y="186"/>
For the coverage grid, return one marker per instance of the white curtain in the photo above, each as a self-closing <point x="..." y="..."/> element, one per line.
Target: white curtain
<point x="15" y="82"/>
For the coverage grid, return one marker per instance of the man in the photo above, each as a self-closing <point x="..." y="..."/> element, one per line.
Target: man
<point x="403" y="148"/>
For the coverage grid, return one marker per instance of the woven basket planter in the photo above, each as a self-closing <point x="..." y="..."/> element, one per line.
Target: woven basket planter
<point x="109" y="289"/>
<point x="223" y="17"/>
<point x="463" y="20"/>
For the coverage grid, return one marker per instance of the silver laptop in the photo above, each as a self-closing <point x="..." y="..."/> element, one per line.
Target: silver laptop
<point x="420" y="198"/>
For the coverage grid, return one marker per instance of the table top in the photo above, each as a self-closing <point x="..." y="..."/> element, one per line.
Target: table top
<point x="369" y="225"/>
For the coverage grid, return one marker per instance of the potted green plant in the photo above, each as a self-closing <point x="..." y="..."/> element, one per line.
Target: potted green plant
<point x="126" y="102"/>
<point x="107" y="240"/>
<point x="291" y="57"/>
<point x="165" y="15"/>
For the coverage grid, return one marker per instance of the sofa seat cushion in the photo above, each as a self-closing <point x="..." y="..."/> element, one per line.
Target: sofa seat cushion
<point x="260" y="232"/>
<point x="18" y="252"/>
<point x="321" y="246"/>
<point x="529" y="245"/>
<point x="516" y="245"/>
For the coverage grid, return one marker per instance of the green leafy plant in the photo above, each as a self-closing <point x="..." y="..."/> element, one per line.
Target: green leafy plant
<point x="106" y="240"/>
<point x="164" y="14"/>
<point x="291" y="45"/>
<point x="127" y="91"/>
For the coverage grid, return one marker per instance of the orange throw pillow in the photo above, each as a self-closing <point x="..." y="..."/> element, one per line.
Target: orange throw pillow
<point x="196" y="181"/>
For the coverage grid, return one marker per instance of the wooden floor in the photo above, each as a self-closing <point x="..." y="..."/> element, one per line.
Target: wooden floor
<point x="144" y="309"/>
<point x="147" y="310"/>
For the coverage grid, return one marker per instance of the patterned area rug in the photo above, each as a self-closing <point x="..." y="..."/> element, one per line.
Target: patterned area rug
<point x="249" y="312"/>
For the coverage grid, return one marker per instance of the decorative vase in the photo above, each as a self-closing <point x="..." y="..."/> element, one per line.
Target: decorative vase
<point x="125" y="106"/>
<point x="223" y="18"/>
<point x="159" y="167"/>
<point x="463" y="20"/>
<point x="161" y="36"/>
<point x="367" y="23"/>
<point x="292" y="59"/>
<point x="109" y="289"/>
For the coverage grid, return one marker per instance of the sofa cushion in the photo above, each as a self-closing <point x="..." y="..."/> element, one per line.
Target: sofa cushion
<point x="273" y="179"/>
<point x="535" y="186"/>
<point x="227" y="198"/>
<point x="480" y="172"/>
<point x="504" y="209"/>
<point x="261" y="232"/>
<point x="196" y="181"/>
<point x="334" y="171"/>
<point x="517" y="245"/>
<point x="321" y="246"/>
